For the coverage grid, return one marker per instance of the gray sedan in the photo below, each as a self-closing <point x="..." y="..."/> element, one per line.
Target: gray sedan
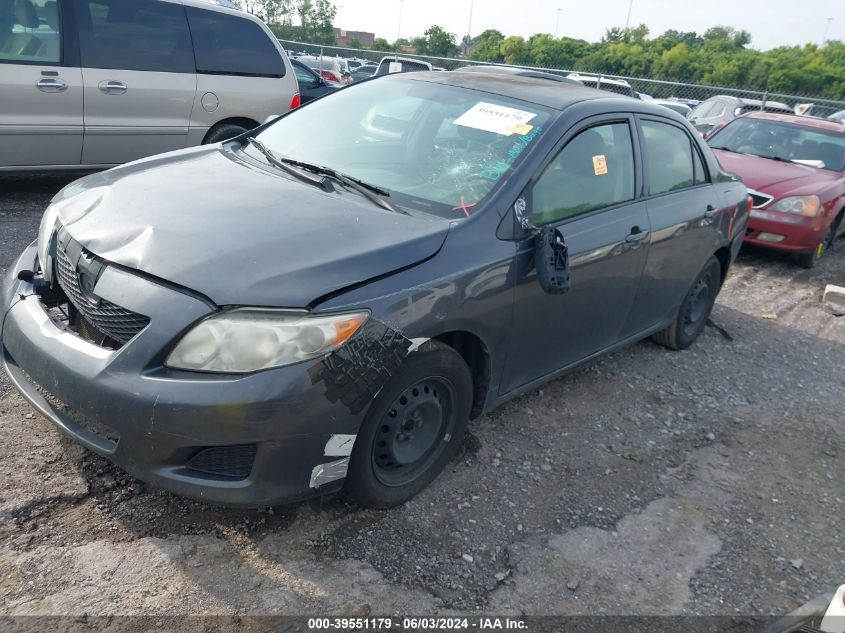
<point x="271" y="318"/>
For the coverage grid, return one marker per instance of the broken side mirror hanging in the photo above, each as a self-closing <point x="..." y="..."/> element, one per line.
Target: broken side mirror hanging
<point x="551" y="256"/>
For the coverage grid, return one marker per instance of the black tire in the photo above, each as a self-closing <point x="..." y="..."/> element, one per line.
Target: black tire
<point x="223" y="132"/>
<point x="809" y="260"/>
<point x="402" y="444"/>
<point x="695" y="309"/>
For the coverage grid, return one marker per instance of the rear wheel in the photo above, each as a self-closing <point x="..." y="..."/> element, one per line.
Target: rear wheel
<point x="223" y="132"/>
<point x="809" y="260"/>
<point x="413" y="428"/>
<point x="695" y="309"/>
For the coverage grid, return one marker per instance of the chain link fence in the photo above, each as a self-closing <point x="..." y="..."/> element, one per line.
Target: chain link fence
<point x="656" y="88"/>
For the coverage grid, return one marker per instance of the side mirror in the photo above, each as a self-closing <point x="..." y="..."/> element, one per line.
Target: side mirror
<point x="551" y="258"/>
<point x="551" y="255"/>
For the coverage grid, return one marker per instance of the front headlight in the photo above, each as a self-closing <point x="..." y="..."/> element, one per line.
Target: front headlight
<point x="244" y="340"/>
<point x="808" y="206"/>
<point x="45" y="236"/>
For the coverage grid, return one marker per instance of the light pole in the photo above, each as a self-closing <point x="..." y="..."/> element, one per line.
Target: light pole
<point x="557" y="21"/>
<point x="399" y="28"/>
<point x="628" y="19"/>
<point x="826" y="30"/>
<point x="469" y="29"/>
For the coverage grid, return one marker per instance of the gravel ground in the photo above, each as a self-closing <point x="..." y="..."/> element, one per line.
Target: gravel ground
<point x="702" y="482"/>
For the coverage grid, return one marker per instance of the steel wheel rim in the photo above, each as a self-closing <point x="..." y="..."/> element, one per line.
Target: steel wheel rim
<point x="413" y="432"/>
<point x="698" y="303"/>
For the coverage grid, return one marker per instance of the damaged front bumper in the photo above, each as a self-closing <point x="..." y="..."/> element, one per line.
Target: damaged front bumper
<point x="259" y="439"/>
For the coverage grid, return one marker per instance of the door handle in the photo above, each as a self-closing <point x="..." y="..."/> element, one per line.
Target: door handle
<point x="112" y="87"/>
<point x="636" y="235"/>
<point x="51" y="84"/>
<point x="710" y="211"/>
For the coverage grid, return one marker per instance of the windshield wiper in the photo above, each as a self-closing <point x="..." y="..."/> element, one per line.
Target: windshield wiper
<point x="274" y="160"/>
<point x="727" y="149"/>
<point x="370" y="192"/>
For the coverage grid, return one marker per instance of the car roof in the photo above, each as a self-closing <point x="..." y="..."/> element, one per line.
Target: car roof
<point x="551" y="94"/>
<point x="821" y="124"/>
<point x="521" y="72"/>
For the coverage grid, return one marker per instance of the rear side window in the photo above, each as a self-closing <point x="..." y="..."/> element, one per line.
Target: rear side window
<point x="594" y="170"/>
<point x="140" y="35"/>
<point x="29" y="31"/>
<point x="672" y="160"/>
<point x="229" y="45"/>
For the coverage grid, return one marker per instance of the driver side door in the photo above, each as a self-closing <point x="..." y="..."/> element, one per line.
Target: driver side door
<point x="589" y="191"/>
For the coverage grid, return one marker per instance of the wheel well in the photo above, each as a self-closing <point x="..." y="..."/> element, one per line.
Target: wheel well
<point x="243" y="122"/>
<point x="724" y="257"/>
<point x="477" y="358"/>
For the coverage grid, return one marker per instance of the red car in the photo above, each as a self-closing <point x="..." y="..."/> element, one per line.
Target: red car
<point x="794" y="168"/>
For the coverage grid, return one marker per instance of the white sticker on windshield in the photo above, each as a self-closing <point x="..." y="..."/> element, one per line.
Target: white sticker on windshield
<point x="495" y="118"/>
<point x="394" y="67"/>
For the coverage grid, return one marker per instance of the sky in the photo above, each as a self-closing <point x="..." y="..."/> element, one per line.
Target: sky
<point x="771" y="22"/>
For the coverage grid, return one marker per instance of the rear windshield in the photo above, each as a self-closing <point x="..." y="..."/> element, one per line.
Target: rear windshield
<point x="434" y="148"/>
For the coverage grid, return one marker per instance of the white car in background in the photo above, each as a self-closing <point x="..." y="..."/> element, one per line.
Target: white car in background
<point x="95" y="83"/>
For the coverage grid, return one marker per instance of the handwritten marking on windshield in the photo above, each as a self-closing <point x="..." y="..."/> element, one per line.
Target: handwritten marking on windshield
<point x="463" y="206"/>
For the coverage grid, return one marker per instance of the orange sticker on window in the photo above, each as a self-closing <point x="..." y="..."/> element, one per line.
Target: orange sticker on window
<point x="600" y="165"/>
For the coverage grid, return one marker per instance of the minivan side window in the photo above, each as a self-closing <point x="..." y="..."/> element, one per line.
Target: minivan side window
<point x="229" y="45"/>
<point x="29" y="31"/>
<point x="671" y="159"/>
<point x="137" y="35"/>
<point x="594" y="170"/>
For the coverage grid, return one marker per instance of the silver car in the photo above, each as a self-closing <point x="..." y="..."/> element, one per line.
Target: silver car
<point x="90" y="84"/>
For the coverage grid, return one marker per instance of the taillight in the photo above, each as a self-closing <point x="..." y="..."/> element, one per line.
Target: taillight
<point x="331" y="76"/>
<point x="750" y="203"/>
<point x="296" y="101"/>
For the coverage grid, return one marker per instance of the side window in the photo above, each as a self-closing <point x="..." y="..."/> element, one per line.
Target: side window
<point x="717" y="110"/>
<point x="29" y="31"/>
<point x="229" y="45"/>
<point x="139" y="35"/>
<point x="303" y="77"/>
<point x="594" y="170"/>
<point x="672" y="162"/>
<point x="701" y="110"/>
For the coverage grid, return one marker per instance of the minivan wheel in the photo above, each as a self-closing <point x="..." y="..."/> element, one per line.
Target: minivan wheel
<point x="809" y="260"/>
<point x="695" y="309"/>
<point x="223" y="132"/>
<point x="413" y="429"/>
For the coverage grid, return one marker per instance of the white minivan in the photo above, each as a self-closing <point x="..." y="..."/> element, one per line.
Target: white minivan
<point x="96" y="83"/>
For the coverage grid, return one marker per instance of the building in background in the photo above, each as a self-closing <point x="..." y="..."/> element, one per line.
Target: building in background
<point x="344" y="37"/>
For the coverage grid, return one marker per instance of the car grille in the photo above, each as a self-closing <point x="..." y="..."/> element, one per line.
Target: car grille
<point x="759" y="199"/>
<point x="117" y="323"/>
<point x="234" y="462"/>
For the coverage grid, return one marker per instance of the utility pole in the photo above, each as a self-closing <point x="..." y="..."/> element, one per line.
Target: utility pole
<point x="628" y="19"/>
<point x="557" y="21"/>
<point x="399" y="28"/>
<point x="826" y="30"/>
<point x="469" y="29"/>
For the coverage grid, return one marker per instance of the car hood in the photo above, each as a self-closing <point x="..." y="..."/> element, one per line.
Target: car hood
<point x="773" y="177"/>
<point x="213" y="221"/>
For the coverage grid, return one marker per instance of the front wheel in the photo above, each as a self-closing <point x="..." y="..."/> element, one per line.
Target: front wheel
<point x="695" y="309"/>
<point x="413" y="428"/>
<point x="809" y="260"/>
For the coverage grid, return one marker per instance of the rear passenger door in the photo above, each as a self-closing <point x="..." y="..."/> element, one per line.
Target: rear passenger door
<point x="40" y="86"/>
<point x="139" y="77"/>
<point x="683" y="210"/>
<point x="241" y="71"/>
<point x="589" y="192"/>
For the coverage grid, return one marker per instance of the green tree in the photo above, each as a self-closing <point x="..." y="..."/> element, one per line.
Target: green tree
<point x="354" y="43"/>
<point x="381" y="44"/>
<point x="436" y="41"/>
<point x="487" y="46"/>
<point x="516" y="50"/>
